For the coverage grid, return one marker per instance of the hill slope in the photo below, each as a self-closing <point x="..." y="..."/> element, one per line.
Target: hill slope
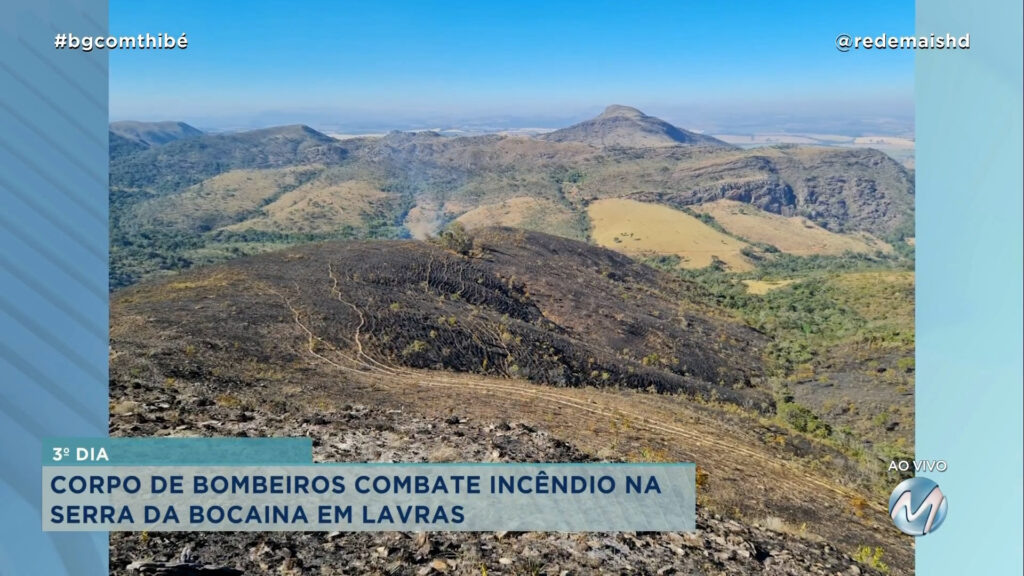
<point x="400" y="350"/>
<point x="540" y="215"/>
<point x="530" y="306"/>
<point x="184" y="162"/>
<point x="154" y="133"/>
<point x="795" y="235"/>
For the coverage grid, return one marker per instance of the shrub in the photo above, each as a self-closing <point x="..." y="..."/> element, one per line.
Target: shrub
<point x="456" y="238"/>
<point x="701" y="477"/>
<point x="803" y="420"/>
<point x="415" y="347"/>
<point x="871" y="558"/>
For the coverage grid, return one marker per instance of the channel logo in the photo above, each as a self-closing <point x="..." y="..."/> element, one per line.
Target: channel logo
<point x="917" y="506"/>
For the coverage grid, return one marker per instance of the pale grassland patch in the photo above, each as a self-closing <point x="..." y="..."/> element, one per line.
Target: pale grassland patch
<point x="760" y="287"/>
<point x="317" y="207"/>
<point x="792" y="235"/>
<point x="525" y="212"/>
<point x="638" y="228"/>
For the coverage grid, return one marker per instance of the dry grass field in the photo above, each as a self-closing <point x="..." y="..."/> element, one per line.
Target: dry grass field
<point x="793" y="235"/>
<point x="537" y="214"/>
<point x="316" y="207"/>
<point x="637" y="228"/>
<point x="225" y="198"/>
<point x="761" y="287"/>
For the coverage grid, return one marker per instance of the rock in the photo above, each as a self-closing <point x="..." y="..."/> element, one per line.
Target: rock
<point x="423" y="545"/>
<point x="148" y="568"/>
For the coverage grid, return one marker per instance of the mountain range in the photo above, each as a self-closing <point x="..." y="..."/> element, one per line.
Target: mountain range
<point x="236" y="191"/>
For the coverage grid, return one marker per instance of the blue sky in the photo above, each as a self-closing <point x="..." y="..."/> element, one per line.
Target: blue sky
<point x="360" y="63"/>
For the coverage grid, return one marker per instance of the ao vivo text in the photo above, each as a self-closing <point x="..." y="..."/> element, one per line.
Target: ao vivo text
<point x="918" y="466"/>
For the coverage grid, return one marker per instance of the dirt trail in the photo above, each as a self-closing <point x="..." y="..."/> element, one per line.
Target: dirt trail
<point x="745" y="479"/>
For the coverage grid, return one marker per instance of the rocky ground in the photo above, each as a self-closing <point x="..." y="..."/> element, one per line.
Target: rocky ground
<point x="353" y="432"/>
<point x="719" y="547"/>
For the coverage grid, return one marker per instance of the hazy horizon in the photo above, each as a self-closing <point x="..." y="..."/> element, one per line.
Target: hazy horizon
<point x="725" y="121"/>
<point x="355" y="67"/>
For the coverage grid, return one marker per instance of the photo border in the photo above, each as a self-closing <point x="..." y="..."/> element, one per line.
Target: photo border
<point x="969" y="287"/>
<point x="53" y="336"/>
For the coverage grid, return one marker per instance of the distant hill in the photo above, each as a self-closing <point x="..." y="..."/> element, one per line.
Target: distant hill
<point x="214" y="196"/>
<point x="629" y="127"/>
<point x="181" y="163"/>
<point x="121" y="146"/>
<point x="153" y="133"/>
